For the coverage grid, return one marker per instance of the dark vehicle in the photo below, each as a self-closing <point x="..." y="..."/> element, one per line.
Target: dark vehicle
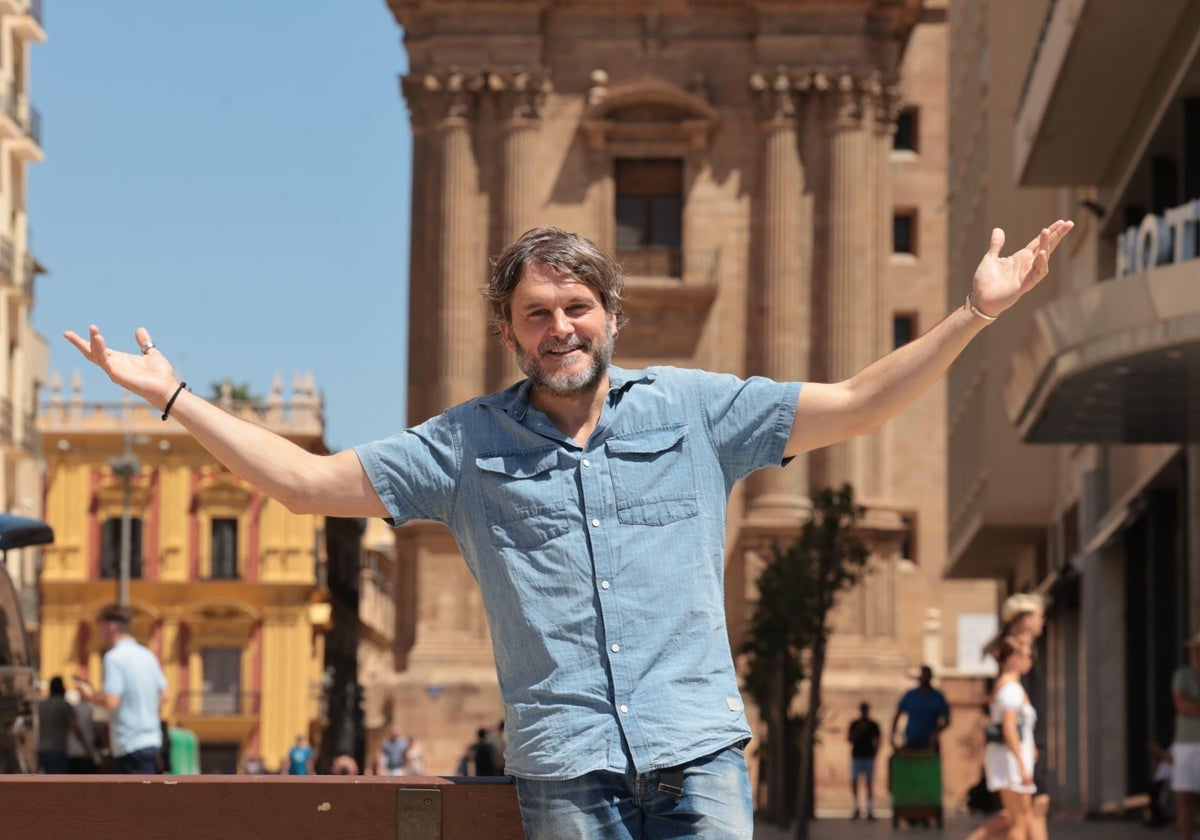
<point x="18" y="670"/>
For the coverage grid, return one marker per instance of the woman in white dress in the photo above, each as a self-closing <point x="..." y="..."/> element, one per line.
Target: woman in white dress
<point x="1009" y="760"/>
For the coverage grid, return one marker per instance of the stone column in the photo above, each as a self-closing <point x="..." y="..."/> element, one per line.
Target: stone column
<point x="853" y="299"/>
<point x="881" y="102"/>
<point x="422" y="96"/>
<point x="461" y="324"/>
<point x="520" y="99"/>
<point x="785" y="294"/>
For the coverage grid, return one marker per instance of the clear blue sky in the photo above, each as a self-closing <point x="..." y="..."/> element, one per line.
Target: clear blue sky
<point x="235" y="177"/>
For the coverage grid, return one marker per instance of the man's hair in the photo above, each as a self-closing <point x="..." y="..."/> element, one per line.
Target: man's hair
<point x="117" y="614"/>
<point x="1022" y="603"/>
<point x="568" y="253"/>
<point x="57" y="687"/>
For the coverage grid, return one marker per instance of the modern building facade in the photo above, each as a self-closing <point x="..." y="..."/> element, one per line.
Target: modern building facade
<point x="1074" y="420"/>
<point x="772" y="177"/>
<point x="24" y="367"/>
<point x="226" y="585"/>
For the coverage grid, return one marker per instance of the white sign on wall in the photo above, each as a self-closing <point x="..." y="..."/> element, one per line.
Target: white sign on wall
<point x="974" y="631"/>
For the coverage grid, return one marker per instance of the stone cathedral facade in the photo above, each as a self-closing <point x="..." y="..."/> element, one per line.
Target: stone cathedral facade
<point x="772" y="176"/>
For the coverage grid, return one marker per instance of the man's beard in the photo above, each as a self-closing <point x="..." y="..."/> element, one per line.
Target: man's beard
<point x="575" y="380"/>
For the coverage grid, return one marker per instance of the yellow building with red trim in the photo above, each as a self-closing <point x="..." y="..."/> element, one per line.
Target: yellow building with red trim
<point x="226" y="585"/>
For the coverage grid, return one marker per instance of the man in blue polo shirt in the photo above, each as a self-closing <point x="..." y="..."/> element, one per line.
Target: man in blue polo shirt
<point x="132" y="693"/>
<point x="589" y="502"/>
<point x="928" y="714"/>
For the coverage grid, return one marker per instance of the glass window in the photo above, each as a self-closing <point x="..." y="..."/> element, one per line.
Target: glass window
<point x="649" y="215"/>
<point x="222" y="680"/>
<point x="110" y="548"/>
<point x="904" y="328"/>
<point x="905" y="138"/>
<point x="223" y="554"/>
<point x="904" y="232"/>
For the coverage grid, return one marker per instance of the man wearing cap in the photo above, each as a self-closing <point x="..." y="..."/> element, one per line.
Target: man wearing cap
<point x="1185" y="773"/>
<point x="132" y="693"/>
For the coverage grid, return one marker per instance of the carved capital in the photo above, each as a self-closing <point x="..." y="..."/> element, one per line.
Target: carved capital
<point x="520" y="94"/>
<point x="597" y="87"/>
<point x="442" y="95"/>
<point x="773" y="91"/>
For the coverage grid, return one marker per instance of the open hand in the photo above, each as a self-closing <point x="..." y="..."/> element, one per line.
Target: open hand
<point x="147" y="374"/>
<point x="1000" y="281"/>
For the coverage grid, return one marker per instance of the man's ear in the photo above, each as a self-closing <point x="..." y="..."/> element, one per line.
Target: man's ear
<point x="506" y="335"/>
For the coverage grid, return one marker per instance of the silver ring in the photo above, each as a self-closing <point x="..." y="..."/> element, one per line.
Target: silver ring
<point x="147" y="347"/>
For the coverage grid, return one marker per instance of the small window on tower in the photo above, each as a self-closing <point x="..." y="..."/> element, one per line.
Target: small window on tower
<point x="905" y="138"/>
<point x="904" y="329"/>
<point x="904" y="232"/>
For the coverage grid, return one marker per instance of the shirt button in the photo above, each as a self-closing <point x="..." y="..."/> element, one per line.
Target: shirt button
<point x="604" y="584"/>
<point x="616" y="648"/>
<point x="624" y="709"/>
<point x="595" y="523"/>
<point x="586" y="462"/>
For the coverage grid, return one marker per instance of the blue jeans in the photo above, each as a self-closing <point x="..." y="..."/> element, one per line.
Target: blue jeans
<point x="715" y="803"/>
<point x="138" y="761"/>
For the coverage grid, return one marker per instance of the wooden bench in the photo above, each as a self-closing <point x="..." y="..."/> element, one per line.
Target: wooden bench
<point x="233" y="807"/>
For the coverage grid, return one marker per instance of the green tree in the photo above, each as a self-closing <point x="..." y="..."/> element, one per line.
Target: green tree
<point x="787" y="637"/>
<point x="238" y="391"/>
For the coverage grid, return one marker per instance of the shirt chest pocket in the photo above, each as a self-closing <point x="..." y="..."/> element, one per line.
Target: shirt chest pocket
<point x="524" y="496"/>
<point x="654" y="480"/>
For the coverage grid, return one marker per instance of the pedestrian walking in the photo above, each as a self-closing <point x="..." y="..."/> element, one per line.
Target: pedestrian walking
<point x="133" y="693"/>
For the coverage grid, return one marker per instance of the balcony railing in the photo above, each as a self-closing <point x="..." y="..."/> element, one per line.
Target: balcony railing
<point x="6" y="420"/>
<point x="33" y="126"/>
<point x="23" y="113"/>
<point x="651" y="261"/>
<point x="209" y="702"/>
<point x="28" y="271"/>
<point x="7" y="261"/>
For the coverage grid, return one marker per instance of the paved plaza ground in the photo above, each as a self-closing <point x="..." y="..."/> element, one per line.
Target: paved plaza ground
<point x="957" y="828"/>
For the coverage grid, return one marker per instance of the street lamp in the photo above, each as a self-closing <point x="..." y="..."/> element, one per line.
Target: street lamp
<point x="126" y="466"/>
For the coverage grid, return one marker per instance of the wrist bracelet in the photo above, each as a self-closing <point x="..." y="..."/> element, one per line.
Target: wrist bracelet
<point x="976" y="311"/>
<point x="171" y="401"/>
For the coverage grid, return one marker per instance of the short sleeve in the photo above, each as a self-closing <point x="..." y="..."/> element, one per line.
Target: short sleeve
<point x="750" y="420"/>
<point x="114" y="677"/>
<point x="1010" y="698"/>
<point x="415" y="472"/>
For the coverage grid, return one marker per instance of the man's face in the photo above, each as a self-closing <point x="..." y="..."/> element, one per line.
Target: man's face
<point x="558" y="329"/>
<point x="108" y="633"/>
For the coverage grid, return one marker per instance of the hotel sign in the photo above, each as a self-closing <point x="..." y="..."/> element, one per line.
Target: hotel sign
<point x="1171" y="237"/>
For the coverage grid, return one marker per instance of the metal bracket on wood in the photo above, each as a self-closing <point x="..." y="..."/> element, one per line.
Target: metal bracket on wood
<point x="418" y="814"/>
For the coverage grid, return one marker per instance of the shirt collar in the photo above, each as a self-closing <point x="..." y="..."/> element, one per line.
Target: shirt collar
<point x="515" y="398"/>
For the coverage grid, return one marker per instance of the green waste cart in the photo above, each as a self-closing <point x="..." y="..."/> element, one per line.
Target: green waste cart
<point x="915" y="781"/>
<point x="185" y="752"/>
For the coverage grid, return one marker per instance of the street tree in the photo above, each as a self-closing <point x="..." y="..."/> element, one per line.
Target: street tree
<point x="788" y="635"/>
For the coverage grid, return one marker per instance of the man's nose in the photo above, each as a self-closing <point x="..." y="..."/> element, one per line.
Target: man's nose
<point x="560" y="323"/>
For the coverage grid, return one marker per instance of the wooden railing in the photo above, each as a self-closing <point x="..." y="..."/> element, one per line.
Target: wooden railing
<point x="291" y="807"/>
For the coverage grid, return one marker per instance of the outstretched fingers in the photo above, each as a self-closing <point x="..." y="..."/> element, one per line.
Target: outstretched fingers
<point x="93" y="347"/>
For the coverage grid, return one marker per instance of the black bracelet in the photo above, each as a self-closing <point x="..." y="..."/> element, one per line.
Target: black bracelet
<point x="171" y="401"/>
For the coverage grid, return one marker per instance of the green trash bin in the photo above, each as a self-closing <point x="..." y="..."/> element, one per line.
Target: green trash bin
<point x="915" y="780"/>
<point x="185" y="752"/>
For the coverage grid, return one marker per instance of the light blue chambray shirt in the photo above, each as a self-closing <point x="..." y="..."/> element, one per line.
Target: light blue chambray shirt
<point x="132" y="672"/>
<point x="601" y="566"/>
